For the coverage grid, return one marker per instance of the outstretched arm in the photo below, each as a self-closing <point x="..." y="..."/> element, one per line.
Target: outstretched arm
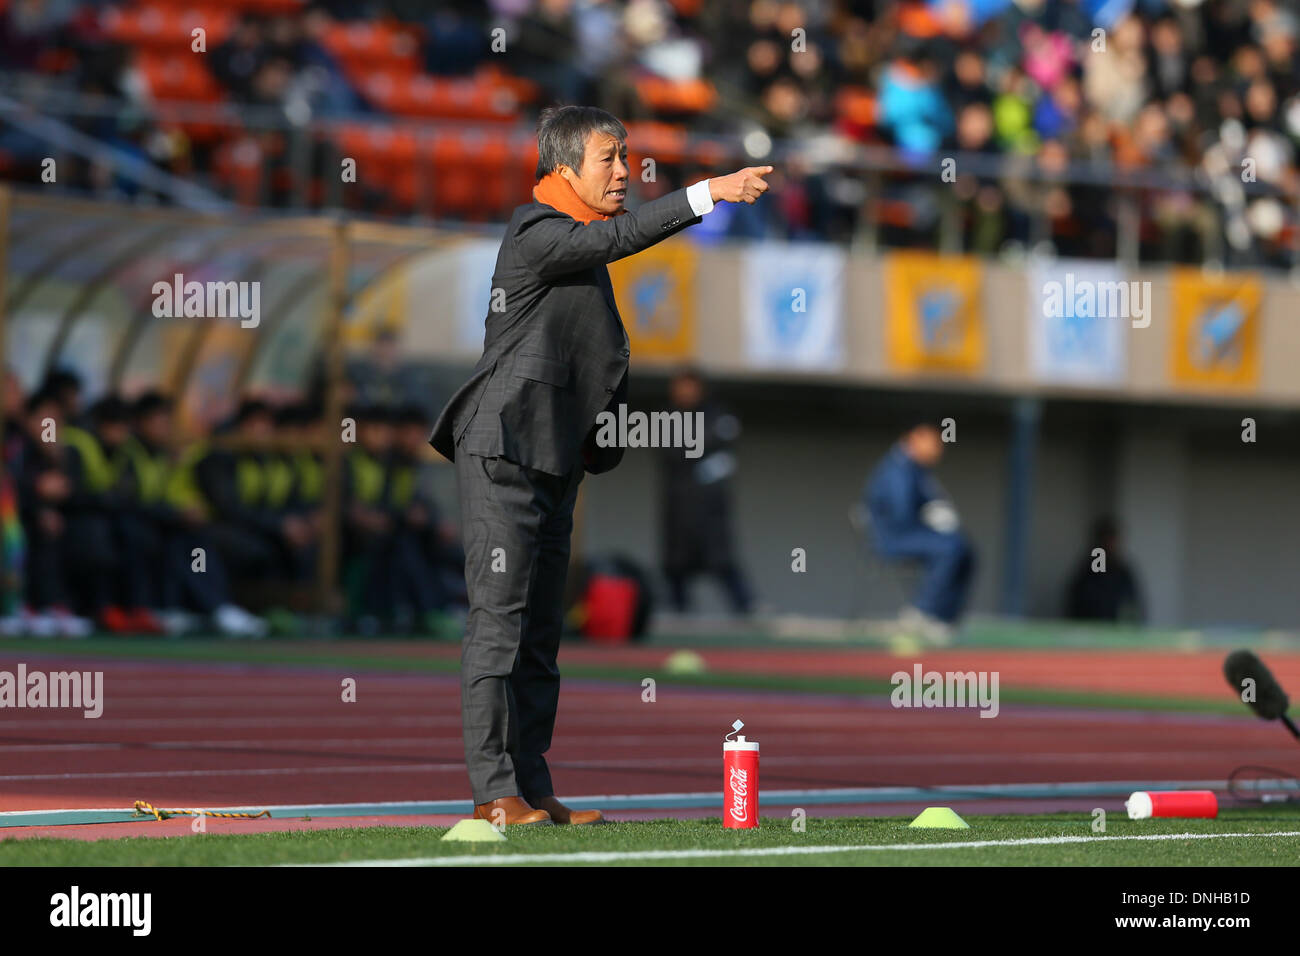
<point x="558" y="245"/>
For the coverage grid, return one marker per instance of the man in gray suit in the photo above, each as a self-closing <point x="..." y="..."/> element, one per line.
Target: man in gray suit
<point x="522" y="433"/>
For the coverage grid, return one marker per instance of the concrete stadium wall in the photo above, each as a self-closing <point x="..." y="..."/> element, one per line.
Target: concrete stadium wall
<point x="1210" y="525"/>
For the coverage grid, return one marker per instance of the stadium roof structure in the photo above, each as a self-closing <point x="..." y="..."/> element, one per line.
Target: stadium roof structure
<point x="105" y="289"/>
<point x="83" y="288"/>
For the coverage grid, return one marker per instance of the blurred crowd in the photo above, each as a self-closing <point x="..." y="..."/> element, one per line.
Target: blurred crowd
<point x="109" y="525"/>
<point x="1039" y="88"/>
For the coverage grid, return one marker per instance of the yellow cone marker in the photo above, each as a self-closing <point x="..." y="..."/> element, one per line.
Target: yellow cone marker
<point x="939" y="818"/>
<point x="474" y="831"/>
<point x="685" y="662"/>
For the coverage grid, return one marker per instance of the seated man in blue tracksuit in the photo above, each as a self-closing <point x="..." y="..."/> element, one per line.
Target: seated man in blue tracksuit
<point x="912" y="518"/>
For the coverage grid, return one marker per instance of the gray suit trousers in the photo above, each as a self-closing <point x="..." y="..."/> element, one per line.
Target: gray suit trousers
<point x="516" y="524"/>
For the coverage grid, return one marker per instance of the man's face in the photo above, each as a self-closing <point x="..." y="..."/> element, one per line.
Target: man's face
<point x="603" y="183"/>
<point x="686" y="391"/>
<point x="113" y="433"/>
<point x="155" y="426"/>
<point x="411" y="438"/>
<point x="259" y="427"/>
<point x="36" y="418"/>
<point x="925" y="445"/>
<point x="70" y="401"/>
<point x="375" y="437"/>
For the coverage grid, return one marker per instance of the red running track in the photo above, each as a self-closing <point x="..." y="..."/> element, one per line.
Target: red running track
<point x="210" y="736"/>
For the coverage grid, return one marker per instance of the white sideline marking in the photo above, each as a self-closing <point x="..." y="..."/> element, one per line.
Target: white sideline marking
<point x="617" y="856"/>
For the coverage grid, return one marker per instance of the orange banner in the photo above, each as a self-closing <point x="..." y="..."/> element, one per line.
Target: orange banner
<point x="655" y="290"/>
<point x="934" y="320"/>
<point x="1215" y="330"/>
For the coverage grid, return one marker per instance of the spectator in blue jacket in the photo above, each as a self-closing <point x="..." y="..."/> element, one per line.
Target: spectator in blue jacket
<point x="913" y="519"/>
<point x="912" y="106"/>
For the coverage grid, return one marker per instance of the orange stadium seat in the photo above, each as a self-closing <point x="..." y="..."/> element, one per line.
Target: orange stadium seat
<point x="378" y="146"/>
<point x="524" y="173"/>
<point x="362" y="48"/>
<point x="472" y="175"/>
<point x="388" y="161"/>
<point x="454" y="177"/>
<point x="710" y="155"/>
<point x="262" y="7"/>
<point x="178" y="78"/>
<point x="380" y="90"/>
<point x="489" y="96"/>
<point x="524" y="90"/>
<point x="268" y="6"/>
<point x="663" y="142"/>
<point x="172" y="79"/>
<point x="155" y="27"/>
<point x="395" y="191"/>
<point x="490" y="155"/>
<point x="676" y="96"/>
<point x="468" y="99"/>
<point x="687" y="8"/>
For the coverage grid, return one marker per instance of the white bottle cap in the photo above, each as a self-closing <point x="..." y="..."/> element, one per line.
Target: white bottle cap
<point x="1139" y="806"/>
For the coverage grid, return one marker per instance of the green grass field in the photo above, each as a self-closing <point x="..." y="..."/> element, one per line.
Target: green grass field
<point x="706" y="843"/>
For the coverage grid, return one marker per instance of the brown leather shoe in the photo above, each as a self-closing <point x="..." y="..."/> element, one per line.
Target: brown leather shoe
<point x="510" y="811"/>
<point x="562" y="814"/>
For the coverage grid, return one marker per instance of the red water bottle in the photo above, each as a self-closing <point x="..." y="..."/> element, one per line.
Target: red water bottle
<point x="739" y="781"/>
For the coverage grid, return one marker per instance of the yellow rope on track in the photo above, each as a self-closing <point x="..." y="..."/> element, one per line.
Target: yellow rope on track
<point x="144" y="809"/>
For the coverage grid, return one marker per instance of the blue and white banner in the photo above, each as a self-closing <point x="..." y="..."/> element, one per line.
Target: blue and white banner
<point x="1075" y="336"/>
<point x="793" y="299"/>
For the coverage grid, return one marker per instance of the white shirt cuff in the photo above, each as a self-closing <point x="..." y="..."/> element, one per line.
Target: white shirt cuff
<point x="699" y="198"/>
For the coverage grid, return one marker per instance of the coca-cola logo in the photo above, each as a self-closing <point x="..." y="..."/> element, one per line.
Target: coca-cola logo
<point x="739" y="784"/>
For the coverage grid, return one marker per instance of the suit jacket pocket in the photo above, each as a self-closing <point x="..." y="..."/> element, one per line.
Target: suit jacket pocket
<point x="539" y="416"/>
<point x="466" y="401"/>
<point x="539" y="368"/>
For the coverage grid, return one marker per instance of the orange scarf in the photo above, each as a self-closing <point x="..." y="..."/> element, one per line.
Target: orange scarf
<point x="555" y="191"/>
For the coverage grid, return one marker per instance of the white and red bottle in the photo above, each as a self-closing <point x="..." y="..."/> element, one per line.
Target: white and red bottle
<point x="739" y="781"/>
<point x="1145" y="804"/>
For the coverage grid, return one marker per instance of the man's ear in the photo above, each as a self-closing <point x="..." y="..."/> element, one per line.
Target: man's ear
<point x="566" y="173"/>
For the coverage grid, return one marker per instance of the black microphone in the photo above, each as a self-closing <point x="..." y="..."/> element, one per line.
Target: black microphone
<point x="1270" y="701"/>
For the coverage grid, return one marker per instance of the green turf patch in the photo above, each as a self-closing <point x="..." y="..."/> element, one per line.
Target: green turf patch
<point x="390" y="843"/>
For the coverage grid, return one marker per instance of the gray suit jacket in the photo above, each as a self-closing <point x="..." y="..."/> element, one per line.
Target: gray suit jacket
<point x="557" y="354"/>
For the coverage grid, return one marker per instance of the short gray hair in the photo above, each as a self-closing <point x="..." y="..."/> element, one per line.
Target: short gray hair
<point x="562" y="133"/>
